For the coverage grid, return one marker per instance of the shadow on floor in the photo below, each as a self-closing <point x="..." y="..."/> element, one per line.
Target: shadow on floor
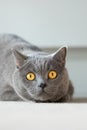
<point x="79" y="100"/>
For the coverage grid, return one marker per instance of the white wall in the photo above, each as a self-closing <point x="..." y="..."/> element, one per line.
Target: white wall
<point x="46" y="22"/>
<point x="77" y="67"/>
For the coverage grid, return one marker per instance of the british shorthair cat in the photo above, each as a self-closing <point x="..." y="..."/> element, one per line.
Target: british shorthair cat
<point x="29" y="74"/>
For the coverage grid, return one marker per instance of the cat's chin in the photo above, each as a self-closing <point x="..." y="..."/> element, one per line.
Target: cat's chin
<point x="42" y="97"/>
<point x="46" y="97"/>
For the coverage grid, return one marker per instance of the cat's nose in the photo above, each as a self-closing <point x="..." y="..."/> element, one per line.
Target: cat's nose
<point x="42" y="85"/>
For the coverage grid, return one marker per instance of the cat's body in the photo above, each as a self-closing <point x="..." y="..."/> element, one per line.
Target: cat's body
<point x="18" y="58"/>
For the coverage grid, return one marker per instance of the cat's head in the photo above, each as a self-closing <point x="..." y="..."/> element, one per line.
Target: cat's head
<point x="41" y="77"/>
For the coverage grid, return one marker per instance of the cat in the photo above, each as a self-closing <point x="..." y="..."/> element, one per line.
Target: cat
<point x="29" y="74"/>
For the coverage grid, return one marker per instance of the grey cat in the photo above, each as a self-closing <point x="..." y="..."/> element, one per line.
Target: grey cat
<point x="29" y="74"/>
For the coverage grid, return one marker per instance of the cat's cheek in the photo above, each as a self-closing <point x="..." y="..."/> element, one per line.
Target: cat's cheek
<point x="51" y="85"/>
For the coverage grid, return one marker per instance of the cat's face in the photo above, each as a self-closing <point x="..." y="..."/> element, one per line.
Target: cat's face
<point x="40" y="77"/>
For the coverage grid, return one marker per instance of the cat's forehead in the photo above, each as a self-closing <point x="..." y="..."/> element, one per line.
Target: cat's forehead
<point x="39" y="60"/>
<point x="41" y="63"/>
<point x="35" y="64"/>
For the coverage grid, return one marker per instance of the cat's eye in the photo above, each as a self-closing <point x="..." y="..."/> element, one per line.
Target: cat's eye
<point x="30" y="76"/>
<point x="52" y="74"/>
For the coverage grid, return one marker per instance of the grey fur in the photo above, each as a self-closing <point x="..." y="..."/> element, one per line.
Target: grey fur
<point x="17" y="58"/>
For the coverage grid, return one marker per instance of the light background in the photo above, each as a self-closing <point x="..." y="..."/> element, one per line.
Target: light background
<point x="46" y="22"/>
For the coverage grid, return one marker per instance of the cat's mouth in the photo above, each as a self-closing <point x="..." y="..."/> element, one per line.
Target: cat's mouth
<point x="41" y="95"/>
<point x="43" y="92"/>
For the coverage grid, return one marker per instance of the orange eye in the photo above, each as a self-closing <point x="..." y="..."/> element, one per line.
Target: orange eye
<point x="30" y="76"/>
<point x="52" y="74"/>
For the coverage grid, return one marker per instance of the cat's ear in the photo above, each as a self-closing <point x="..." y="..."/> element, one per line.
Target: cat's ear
<point x="60" y="55"/>
<point x="19" y="58"/>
